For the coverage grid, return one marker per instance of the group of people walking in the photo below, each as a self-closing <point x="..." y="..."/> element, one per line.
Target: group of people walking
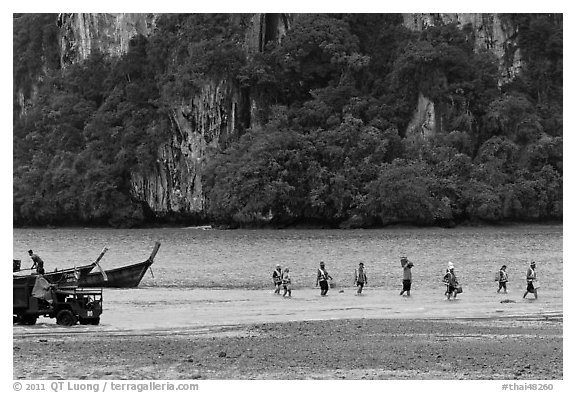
<point x="282" y="278"/>
<point x="531" y="280"/>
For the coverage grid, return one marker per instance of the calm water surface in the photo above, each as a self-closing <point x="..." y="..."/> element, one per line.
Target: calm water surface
<point x="203" y="278"/>
<point x="197" y="258"/>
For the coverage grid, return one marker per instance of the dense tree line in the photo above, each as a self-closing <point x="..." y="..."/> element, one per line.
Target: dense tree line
<point x="328" y="143"/>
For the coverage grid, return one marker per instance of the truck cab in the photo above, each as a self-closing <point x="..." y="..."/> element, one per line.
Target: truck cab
<point x="69" y="305"/>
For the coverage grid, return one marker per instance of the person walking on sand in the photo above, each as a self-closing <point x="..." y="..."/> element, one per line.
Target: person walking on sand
<point x="451" y="282"/>
<point x="502" y="279"/>
<point x="531" y="280"/>
<point x="407" y="276"/>
<point x="445" y="279"/>
<point x="277" y="278"/>
<point x="287" y="282"/>
<point x="38" y="262"/>
<point x="360" y="278"/>
<point x="322" y="278"/>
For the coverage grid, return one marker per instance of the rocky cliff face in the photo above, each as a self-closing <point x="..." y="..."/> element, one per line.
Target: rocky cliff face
<point x="423" y="123"/>
<point x="214" y="115"/>
<point x="491" y="32"/>
<point x="208" y="120"/>
<point x="109" y="33"/>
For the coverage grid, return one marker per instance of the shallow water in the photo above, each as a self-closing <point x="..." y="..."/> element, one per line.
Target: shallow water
<point x="211" y="277"/>
<point x="196" y="258"/>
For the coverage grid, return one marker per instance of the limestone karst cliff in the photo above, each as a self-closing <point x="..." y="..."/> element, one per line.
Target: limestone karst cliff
<point x="132" y="118"/>
<point x="174" y="186"/>
<point x="491" y="32"/>
<point x="110" y="33"/>
<point x="212" y="115"/>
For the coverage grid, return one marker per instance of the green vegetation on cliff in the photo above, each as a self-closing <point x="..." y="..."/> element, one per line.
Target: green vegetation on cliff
<point x="328" y="143"/>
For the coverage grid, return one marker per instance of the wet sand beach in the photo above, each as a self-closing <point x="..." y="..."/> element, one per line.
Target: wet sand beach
<point x="237" y="334"/>
<point x="527" y="349"/>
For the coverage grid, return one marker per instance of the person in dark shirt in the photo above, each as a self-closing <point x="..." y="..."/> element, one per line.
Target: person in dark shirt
<point x="360" y="278"/>
<point x="38" y="262"/>
<point x="452" y="283"/>
<point x="277" y="278"/>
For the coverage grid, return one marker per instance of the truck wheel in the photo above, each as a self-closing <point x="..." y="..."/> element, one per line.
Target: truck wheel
<point x="66" y="318"/>
<point x="95" y="321"/>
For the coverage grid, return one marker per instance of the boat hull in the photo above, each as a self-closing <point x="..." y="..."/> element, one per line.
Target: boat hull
<point x="62" y="278"/>
<point x="124" y="277"/>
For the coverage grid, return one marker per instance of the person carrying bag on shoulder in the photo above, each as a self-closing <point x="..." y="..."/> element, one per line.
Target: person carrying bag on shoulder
<point x="454" y="288"/>
<point x="531" y="281"/>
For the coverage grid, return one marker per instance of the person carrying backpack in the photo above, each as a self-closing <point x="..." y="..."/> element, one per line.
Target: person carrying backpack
<point x="322" y="278"/>
<point x="277" y="279"/>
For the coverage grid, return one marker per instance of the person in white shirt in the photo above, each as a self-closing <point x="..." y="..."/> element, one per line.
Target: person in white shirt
<point x="531" y="281"/>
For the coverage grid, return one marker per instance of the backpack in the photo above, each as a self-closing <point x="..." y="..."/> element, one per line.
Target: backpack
<point x="497" y="276"/>
<point x="277" y="277"/>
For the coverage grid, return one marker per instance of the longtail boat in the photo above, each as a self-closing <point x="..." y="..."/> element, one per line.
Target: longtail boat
<point x="122" y="277"/>
<point x="63" y="278"/>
